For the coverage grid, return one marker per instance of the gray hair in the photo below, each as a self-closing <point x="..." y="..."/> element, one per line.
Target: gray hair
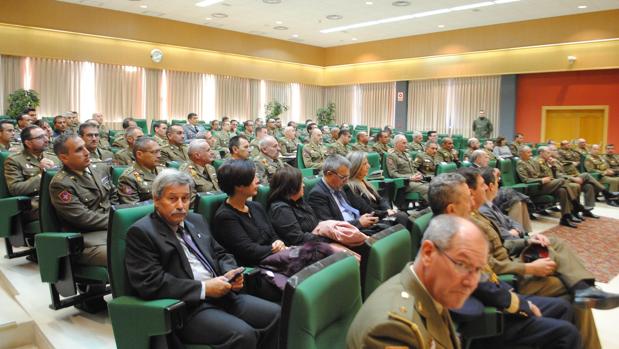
<point x="398" y="138"/>
<point x="543" y="149"/>
<point x="417" y="134"/>
<point x="196" y="145"/>
<point x="429" y="143"/>
<point x="471" y="141"/>
<point x="266" y="141"/>
<point x="141" y="144"/>
<point x="334" y="162"/>
<point x="523" y="149"/>
<point x="442" y="229"/>
<point x="169" y="177"/>
<point x="477" y="154"/>
<point x="131" y="131"/>
<point x="441" y="191"/>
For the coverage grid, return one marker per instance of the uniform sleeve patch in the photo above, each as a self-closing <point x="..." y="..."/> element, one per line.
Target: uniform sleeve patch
<point x="65" y="196"/>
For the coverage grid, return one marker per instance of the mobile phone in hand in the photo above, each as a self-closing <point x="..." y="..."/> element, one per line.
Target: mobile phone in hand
<point x="236" y="275"/>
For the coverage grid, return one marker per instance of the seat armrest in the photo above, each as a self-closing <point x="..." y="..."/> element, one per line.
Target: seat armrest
<point x="489" y="324"/>
<point x="51" y="247"/>
<point x="511" y="279"/>
<point x="135" y="320"/>
<point x="9" y="208"/>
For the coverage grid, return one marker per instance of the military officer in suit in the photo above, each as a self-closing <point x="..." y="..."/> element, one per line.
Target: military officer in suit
<point x="417" y="143"/>
<point x="82" y="195"/>
<point x="288" y="143"/>
<point x="313" y="152"/>
<point x="516" y="144"/>
<point x="134" y="184"/>
<point x="176" y="150"/>
<point x="400" y="165"/>
<point x="411" y="310"/>
<point x="192" y="129"/>
<point x="340" y="146"/>
<point x="7" y="137"/>
<point x="611" y="158"/>
<point x="268" y="161"/>
<point x="382" y="144"/>
<point x="90" y="135"/>
<point x="424" y="162"/>
<point x="125" y="156"/>
<point x="160" y="128"/>
<point x="595" y="163"/>
<point x="447" y="153"/>
<point x="200" y="167"/>
<point x="482" y="126"/>
<point x="362" y="142"/>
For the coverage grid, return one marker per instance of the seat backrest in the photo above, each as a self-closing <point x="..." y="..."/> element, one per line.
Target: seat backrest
<point x="217" y="163"/>
<point x="141" y="123"/>
<point x="263" y="194"/>
<point x="116" y="172"/>
<point x="387" y="253"/>
<point x="300" y="163"/>
<point x="466" y="164"/>
<point x="173" y="164"/>
<point x="492" y="163"/>
<point x="179" y="122"/>
<point x="419" y="227"/>
<point x="4" y="190"/>
<point x="320" y="302"/>
<point x="121" y="218"/>
<point x="515" y="161"/>
<point x="309" y="185"/>
<point x="208" y="203"/>
<point x="446" y="167"/>
<point x="47" y="213"/>
<point x="507" y="174"/>
<point x="374" y="161"/>
<point x="383" y="161"/>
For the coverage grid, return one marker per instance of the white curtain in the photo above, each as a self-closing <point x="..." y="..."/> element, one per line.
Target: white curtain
<point x="256" y="104"/>
<point x="11" y="79"/>
<point x="450" y="105"/>
<point x="376" y="104"/>
<point x="311" y="98"/>
<point x="280" y="92"/>
<point x="151" y="89"/>
<point x="343" y="97"/>
<point x="58" y="83"/>
<point x="119" y="91"/>
<point x="184" y="94"/>
<point x="233" y="97"/>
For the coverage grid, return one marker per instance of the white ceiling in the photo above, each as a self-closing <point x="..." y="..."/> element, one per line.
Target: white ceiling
<point x="306" y="18"/>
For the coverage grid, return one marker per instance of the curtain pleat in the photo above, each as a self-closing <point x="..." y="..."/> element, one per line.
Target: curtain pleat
<point x="376" y="104"/>
<point x="184" y="94"/>
<point x="11" y="79"/>
<point x="233" y="97"/>
<point x="118" y="92"/>
<point x="343" y="97"/>
<point x="58" y="84"/>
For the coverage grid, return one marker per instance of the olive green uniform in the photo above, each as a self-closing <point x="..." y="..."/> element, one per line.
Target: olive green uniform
<point x="82" y="203"/>
<point x="400" y="165"/>
<point x="120" y="141"/>
<point x="491" y="155"/>
<point x="124" y="157"/>
<point x="402" y="314"/>
<point x="529" y="172"/>
<point x="515" y="148"/>
<point x="570" y="159"/>
<point x="14" y="147"/>
<point x="597" y="164"/>
<point x="313" y="155"/>
<point x="254" y="148"/>
<point x="444" y="155"/>
<point x="224" y="139"/>
<point x="380" y="148"/>
<point x="266" y="167"/>
<point x="101" y="155"/>
<point x="361" y="147"/>
<point x="414" y="146"/>
<point x="572" y="188"/>
<point x="613" y="162"/>
<point x="582" y="151"/>
<point x="337" y="148"/>
<point x="288" y="146"/>
<point x="23" y="174"/>
<point x="174" y="153"/>
<point x="590" y="185"/>
<point x="134" y="184"/>
<point x="482" y="127"/>
<point x="249" y="135"/>
<point x="425" y="164"/>
<point x="161" y="141"/>
<point x="104" y="137"/>
<point x="204" y="178"/>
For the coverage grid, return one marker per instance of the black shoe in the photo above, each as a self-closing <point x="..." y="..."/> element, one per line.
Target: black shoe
<point x="555" y="209"/>
<point x="593" y="297"/>
<point x="566" y="222"/>
<point x="610" y="195"/>
<point x="543" y="213"/>
<point x="575" y="218"/>
<point x="589" y="214"/>
<point x="532" y="217"/>
<point x="612" y="203"/>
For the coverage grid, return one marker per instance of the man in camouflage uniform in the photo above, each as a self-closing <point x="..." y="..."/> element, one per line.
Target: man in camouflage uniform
<point x="254" y="145"/>
<point x="581" y="147"/>
<point x="447" y="153"/>
<point x="234" y="128"/>
<point x="473" y="144"/>
<point x="362" y="142"/>
<point x="104" y="132"/>
<point x="488" y="148"/>
<point x="595" y="163"/>
<point x="326" y="135"/>
<point x="382" y="144"/>
<point x="176" y="150"/>
<point x="271" y="127"/>
<point x="82" y="196"/>
<point x="611" y="158"/>
<point x="400" y="165"/>
<point x="340" y="146"/>
<point x="249" y="130"/>
<point x="224" y="135"/>
<point x="134" y="184"/>
<point x="268" y="161"/>
<point x="120" y="141"/>
<point x="160" y="128"/>
<point x="200" y="167"/>
<point x="313" y="152"/>
<point x="417" y="143"/>
<point x="90" y="135"/>
<point x="529" y="171"/>
<point x="424" y="162"/>
<point x="125" y="157"/>
<point x="7" y="137"/>
<point x="570" y="159"/>
<point x="289" y="142"/>
<point x="516" y="144"/>
<point x="482" y="127"/>
<point x="23" y="121"/>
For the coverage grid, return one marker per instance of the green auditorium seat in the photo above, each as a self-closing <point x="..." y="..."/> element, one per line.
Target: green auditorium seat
<point x="179" y="122"/>
<point x="173" y="164"/>
<point x="12" y="229"/>
<point x="217" y="163"/>
<point x="116" y="172"/>
<point x="446" y="167"/>
<point x="142" y="124"/>
<point x="361" y="128"/>
<point x="384" y="255"/>
<point x="319" y="304"/>
<point x="300" y="162"/>
<point x="466" y="164"/>
<point x="56" y="253"/>
<point x="420" y="225"/>
<point x="137" y="323"/>
<point x="508" y="176"/>
<point x="208" y="203"/>
<point x="263" y="194"/>
<point x="492" y="163"/>
<point x="309" y="183"/>
<point x="374" y="161"/>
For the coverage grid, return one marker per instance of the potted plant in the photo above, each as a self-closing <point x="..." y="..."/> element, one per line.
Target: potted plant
<point x="273" y="109"/>
<point x="20" y="100"/>
<point x="326" y="116"/>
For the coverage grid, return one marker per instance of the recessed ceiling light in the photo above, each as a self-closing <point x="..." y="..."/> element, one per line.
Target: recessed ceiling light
<point x="369" y="3"/>
<point x="278" y="22"/>
<point x="295" y="35"/>
<point x="280" y="27"/>
<point x="219" y="15"/>
<point x="582" y="6"/>
<point x="144" y="6"/>
<point x="272" y="1"/>
<point x="401" y="3"/>
<point x="334" y="17"/>
<point x="354" y="39"/>
<point x="208" y="18"/>
<point x="206" y="3"/>
<point x="441" y="26"/>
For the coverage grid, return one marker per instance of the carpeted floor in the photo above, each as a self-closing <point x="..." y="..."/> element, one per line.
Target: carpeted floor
<point x="596" y="241"/>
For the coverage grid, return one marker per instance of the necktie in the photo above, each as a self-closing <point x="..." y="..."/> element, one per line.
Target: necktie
<point x="345" y="205"/>
<point x="195" y="251"/>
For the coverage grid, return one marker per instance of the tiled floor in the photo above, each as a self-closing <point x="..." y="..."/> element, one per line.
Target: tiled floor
<point x="28" y="301"/>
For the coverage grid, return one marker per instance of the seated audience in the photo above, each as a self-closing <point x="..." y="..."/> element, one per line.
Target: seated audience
<point x="134" y="184"/>
<point x="200" y="167"/>
<point x="197" y="271"/>
<point x="502" y="150"/>
<point x="7" y="137"/>
<point x="176" y="150"/>
<point x="90" y="135"/>
<point x="120" y="141"/>
<point x="239" y="147"/>
<point x="314" y="152"/>
<point x="268" y="161"/>
<point x="125" y="156"/>
<point x="362" y="142"/>
<point x="160" y="128"/>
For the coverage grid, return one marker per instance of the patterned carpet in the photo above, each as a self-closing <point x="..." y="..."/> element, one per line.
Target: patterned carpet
<point x="596" y="241"/>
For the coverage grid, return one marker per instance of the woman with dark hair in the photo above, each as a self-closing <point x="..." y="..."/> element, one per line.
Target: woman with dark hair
<point x="364" y="197"/>
<point x="241" y="226"/>
<point x="501" y="150"/>
<point x="293" y="219"/>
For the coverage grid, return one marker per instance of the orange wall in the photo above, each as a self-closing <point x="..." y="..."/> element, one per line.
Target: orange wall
<point x="563" y="89"/>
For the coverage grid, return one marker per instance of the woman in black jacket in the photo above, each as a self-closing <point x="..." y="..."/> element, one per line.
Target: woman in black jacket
<point x="292" y="218"/>
<point x="362" y="195"/>
<point x="241" y="226"/>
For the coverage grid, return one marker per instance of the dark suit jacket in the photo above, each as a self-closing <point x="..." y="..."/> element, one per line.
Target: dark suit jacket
<point x="156" y="264"/>
<point x="324" y="204"/>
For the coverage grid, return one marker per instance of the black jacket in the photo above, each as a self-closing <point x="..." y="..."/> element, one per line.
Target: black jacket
<point x="325" y="206"/>
<point x="294" y="222"/>
<point x="156" y="264"/>
<point x="365" y="204"/>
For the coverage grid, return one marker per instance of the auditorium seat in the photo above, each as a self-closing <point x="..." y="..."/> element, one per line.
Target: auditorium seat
<point x="208" y="203"/>
<point x="446" y="167"/>
<point x="263" y="194"/>
<point x="319" y="304"/>
<point x="116" y="172"/>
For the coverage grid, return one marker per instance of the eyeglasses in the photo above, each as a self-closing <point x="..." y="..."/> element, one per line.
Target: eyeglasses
<point x="461" y="267"/>
<point x="38" y="137"/>
<point x="340" y="176"/>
